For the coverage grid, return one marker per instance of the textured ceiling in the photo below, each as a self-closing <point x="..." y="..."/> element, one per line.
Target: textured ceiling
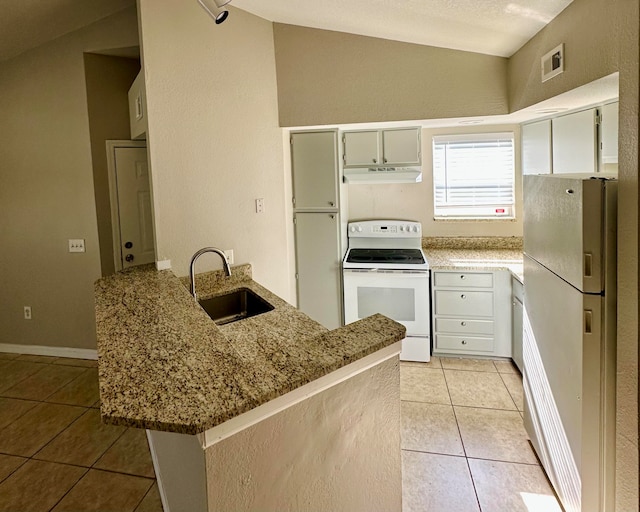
<point x="495" y="27"/>
<point x="25" y="24"/>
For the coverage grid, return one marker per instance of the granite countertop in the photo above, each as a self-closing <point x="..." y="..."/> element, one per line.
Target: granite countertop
<point x="163" y="364"/>
<point x="478" y="253"/>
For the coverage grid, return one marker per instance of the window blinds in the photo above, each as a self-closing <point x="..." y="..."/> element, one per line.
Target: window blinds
<point x="474" y="175"/>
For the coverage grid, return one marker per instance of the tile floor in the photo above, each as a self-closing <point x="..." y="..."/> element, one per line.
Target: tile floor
<point x="55" y="454"/>
<point x="464" y="446"/>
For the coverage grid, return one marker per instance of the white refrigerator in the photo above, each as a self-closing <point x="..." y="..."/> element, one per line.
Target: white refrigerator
<point x="570" y="333"/>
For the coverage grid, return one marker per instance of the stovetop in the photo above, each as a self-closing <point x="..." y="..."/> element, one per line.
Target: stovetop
<point x="401" y="256"/>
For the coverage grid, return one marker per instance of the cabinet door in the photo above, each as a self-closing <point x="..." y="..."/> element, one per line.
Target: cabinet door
<point x="318" y="267"/>
<point x="361" y="149"/>
<point x="575" y="142"/>
<point x="314" y="164"/>
<point x="138" y="108"/>
<point x="516" y="337"/>
<point x="401" y="147"/>
<point x="536" y="147"/>
<point x="609" y="134"/>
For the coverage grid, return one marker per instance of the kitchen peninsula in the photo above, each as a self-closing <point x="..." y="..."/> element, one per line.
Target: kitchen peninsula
<point x="273" y="412"/>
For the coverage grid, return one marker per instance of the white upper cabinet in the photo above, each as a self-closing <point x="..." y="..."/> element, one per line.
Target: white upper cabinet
<point x="138" y="108"/>
<point x="314" y="161"/>
<point x="536" y="147"/>
<point x="575" y="143"/>
<point x="375" y="148"/>
<point x="609" y="133"/>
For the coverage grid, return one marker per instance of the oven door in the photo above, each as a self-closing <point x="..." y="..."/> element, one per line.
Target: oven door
<point x="402" y="295"/>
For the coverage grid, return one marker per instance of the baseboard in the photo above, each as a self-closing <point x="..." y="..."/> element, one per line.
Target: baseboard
<point x="41" y="350"/>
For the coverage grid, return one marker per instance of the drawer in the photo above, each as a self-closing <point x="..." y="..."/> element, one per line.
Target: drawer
<point x="463" y="279"/>
<point x="463" y="303"/>
<point x="464" y="326"/>
<point x="464" y="343"/>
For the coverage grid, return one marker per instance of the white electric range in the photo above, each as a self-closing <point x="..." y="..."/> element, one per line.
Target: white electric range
<point x="385" y="271"/>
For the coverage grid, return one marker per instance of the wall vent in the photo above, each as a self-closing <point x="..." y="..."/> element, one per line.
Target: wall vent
<point x="552" y="63"/>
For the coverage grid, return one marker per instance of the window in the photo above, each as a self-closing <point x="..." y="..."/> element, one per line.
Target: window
<point x="473" y="176"/>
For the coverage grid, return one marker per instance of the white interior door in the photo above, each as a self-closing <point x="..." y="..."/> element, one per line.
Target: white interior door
<point x="134" y="206"/>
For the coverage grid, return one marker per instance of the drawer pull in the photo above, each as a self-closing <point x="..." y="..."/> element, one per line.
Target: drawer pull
<point x="463" y="324"/>
<point x="461" y="276"/>
<point x="464" y="342"/>
<point x="463" y="296"/>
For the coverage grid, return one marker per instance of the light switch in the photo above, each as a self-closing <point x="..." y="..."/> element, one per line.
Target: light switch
<point x="76" y="244"/>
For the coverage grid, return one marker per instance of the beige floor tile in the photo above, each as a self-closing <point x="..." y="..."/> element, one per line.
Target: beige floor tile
<point x="423" y="385"/>
<point x="505" y="486"/>
<point x="494" y="434"/>
<point x="37" y="359"/>
<point x="43" y="383"/>
<point x="151" y="502"/>
<point x="8" y="464"/>
<point x="472" y="365"/>
<point x="104" y="491"/>
<point x="83" y="442"/>
<point x="438" y="483"/>
<point x="86" y="363"/>
<point x="82" y="390"/>
<point x="37" y="427"/>
<point x="37" y="486"/>
<point x="478" y="389"/>
<point x="8" y="355"/>
<point x="430" y="428"/>
<point x="129" y="454"/>
<point x="506" y="367"/>
<point x="13" y="372"/>
<point x="434" y="362"/>
<point x="513" y="381"/>
<point x="11" y="409"/>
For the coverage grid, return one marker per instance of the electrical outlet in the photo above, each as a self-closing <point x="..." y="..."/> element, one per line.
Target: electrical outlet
<point x="260" y="205"/>
<point x="229" y="254"/>
<point x="76" y="244"/>
<point x="27" y="312"/>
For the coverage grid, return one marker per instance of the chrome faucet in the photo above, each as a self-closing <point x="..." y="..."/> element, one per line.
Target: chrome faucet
<point x="192" y="275"/>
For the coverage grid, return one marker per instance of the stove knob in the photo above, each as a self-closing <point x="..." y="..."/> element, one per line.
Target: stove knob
<point x="415" y="229"/>
<point x="353" y="229"/>
<point x="401" y="229"/>
<point x="359" y="228"/>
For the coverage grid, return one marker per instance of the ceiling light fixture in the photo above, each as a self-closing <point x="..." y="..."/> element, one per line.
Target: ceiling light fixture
<point x="215" y="9"/>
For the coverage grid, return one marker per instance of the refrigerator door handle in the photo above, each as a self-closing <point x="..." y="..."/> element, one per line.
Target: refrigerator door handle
<point x="587" y="265"/>
<point x="588" y="321"/>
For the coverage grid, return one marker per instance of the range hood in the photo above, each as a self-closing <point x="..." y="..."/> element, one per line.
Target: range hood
<point x="355" y="175"/>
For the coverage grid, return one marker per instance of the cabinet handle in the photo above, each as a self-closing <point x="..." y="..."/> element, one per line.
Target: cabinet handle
<point x="375" y="160"/>
<point x="385" y="160"/>
<point x="332" y="216"/>
<point x="461" y="276"/>
<point x="331" y="203"/>
<point x="463" y="324"/>
<point x="464" y="342"/>
<point x="463" y="296"/>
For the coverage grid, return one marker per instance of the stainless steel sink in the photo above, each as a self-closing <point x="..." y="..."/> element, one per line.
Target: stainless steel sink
<point x="234" y="306"/>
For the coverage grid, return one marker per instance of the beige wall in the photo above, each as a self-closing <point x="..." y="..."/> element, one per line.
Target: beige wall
<point x="338" y="450"/>
<point x="46" y="191"/>
<point x="627" y="496"/>
<point x="336" y="78"/>
<point x="414" y="201"/>
<point x="107" y="79"/>
<point x="588" y="29"/>
<point x="214" y="141"/>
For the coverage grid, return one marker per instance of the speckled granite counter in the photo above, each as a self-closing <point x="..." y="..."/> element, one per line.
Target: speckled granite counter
<point x="478" y="253"/>
<point x="164" y="365"/>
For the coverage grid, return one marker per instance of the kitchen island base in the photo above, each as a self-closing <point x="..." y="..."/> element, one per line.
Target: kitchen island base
<point x="336" y="450"/>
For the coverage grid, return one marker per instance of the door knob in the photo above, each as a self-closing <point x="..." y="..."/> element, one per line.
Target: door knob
<point x="128" y="245"/>
<point x="129" y="257"/>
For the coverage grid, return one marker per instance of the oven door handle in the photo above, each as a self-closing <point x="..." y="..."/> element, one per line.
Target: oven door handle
<point x="424" y="273"/>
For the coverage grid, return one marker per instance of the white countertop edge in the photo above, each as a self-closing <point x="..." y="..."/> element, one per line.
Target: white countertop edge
<point x="234" y="425"/>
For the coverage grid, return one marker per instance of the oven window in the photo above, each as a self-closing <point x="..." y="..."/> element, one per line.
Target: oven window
<point x="397" y="303"/>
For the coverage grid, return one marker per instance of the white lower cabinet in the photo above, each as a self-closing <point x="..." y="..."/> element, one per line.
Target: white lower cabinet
<point x="472" y="312"/>
<point x="517" y="319"/>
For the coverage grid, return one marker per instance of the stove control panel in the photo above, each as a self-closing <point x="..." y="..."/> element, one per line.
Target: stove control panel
<point x="384" y="229"/>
